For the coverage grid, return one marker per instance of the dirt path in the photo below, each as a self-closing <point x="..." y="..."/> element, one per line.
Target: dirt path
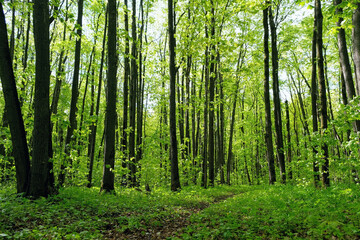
<point x="170" y="226"/>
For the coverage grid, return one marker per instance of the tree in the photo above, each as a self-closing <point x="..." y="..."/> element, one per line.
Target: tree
<point x="212" y="78"/>
<point x="132" y="98"/>
<point x="74" y="92"/>
<point x="14" y="115"/>
<point x="276" y="93"/>
<point x="268" y="133"/>
<point x="124" y="141"/>
<point x="175" y="179"/>
<point x="322" y="87"/>
<point x="356" y="45"/>
<point x="110" y="118"/>
<point x="40" y="156"/>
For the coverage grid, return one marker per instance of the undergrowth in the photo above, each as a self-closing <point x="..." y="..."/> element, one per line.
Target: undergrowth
<point x="223" y="212"/>
<point x="281" y="212"/>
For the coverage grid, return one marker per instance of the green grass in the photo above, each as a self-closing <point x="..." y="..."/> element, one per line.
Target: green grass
<point x="236" y="212"/>
<point x="281" y="212"/>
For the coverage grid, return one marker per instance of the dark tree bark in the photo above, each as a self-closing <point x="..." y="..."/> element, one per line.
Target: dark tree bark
<point x="14" y="116"/>
<point x="211" y="100"/>
<point x="74" y="94"/>
<point x="93" y="126"/>
<point x="221" y="124"/>
<point x="40" y="157"/>
<point x="107" y="184"/>
<point x="140" y="92"/>
<point x="314" y="109"/>
<point x="288" y="139"/>
<point x="175" y="179"/>
<point x="132" y="86"/>
<point x="126" y="91"/>
<point x="322" y="87"/>
<point x="356" y="45"/>
<point x="268" y="133"/>
<point x="277" y="102"/>
<point x="206" y="109"/>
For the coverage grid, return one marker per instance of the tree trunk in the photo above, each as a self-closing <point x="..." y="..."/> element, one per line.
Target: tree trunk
<point x="175" y="179"/>
<point x="288" y="139"/>
<point x="314" y="109"/>
<point x="40" y="157"/>
<point x="14" y="116"/>
<point x="356" y="45"/>
<point x="74" y="95"/>
<point x="322" y="87"/>
<point x="126" y="91"/>
<point x="107" y="184"/>
<point x="277" y="101"/>
<point x="93" y="127"/>
<point x="133" y="81"/>
<point x="268" y="133"/>
<point x="211" y="100"/>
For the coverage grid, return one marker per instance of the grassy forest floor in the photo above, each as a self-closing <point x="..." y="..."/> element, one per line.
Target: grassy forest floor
<point x="223" y="212"/>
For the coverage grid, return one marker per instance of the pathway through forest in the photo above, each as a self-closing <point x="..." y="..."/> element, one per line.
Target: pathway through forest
<point x="173" y="225"/>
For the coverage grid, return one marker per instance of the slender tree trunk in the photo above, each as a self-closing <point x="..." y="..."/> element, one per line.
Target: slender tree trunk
<point x="134" y="77"/>
<point x="212" y="99"/>
<point x="175" y="179"/>
<point x="40" y="157"/>
<point x="139" y="93"/>
<point x="268" y="133"/>
<point x="221" y="125"/>
<point x="206" y="107"/>
<point x="322" y="87"/>
<point x="93" y="127"/>
<point x="14" y="116"/>
<point x="88" y="74"/>
<point x="288" y="139"/>
<point x="314" y="109"/>
<point x="107" y="184"/>
<point x="126" y="90"/>
<point x="277" y="101"/>
<point x="74" y="95"/>
<point x="356" y="45"/>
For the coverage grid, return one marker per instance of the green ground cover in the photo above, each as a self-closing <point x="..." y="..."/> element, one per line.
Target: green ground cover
<point x="223" y="212"/>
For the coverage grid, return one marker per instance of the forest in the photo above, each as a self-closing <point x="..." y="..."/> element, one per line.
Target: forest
<point x="180" y="119"/>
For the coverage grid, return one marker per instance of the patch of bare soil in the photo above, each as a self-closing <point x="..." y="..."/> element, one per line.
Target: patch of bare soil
<point x="169" y="227"/>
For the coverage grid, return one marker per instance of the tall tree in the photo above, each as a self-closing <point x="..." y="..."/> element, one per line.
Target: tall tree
<point x="93" y="126"/>
<point x="175" y="179"/>
<point x="268" y="133"/>
<point x="110" y="118"/>
<point x="74" y="92"/>
<point x="314" y="108"/>
<point x="41" y="132"/>
<point x="356" y="45"/>
<point x="132" y="97"/>
<point x="276" y="94"/>
<point x="212" y="78"/>
<point x="322" y="87"/>
<point x="14" y="115"/>
<point x="126" y="89"/>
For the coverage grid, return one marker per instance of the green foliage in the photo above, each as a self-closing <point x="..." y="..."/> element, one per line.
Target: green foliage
<point x="238" y="212"/>
<point x="281" y="212"/>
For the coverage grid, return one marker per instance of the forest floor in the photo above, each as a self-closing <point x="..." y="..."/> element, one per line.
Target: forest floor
<point x="222" y="212"/>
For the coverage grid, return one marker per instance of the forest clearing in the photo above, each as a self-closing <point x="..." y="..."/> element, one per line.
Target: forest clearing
<point x="179" y="119"/>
